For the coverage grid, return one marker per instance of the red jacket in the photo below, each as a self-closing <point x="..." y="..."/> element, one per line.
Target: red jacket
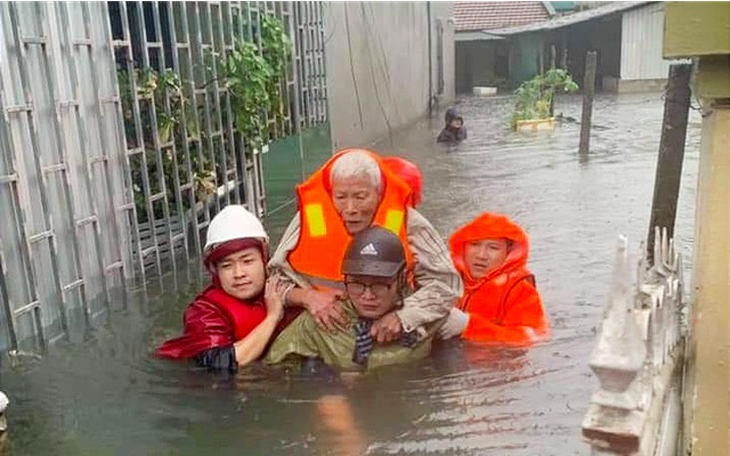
<point x="504" y="305"/>
<point x="215" y="319"/>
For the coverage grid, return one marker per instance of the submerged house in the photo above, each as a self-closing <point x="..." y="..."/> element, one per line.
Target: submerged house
<point x="627" y="36"/>
<point x="483" y="59"/>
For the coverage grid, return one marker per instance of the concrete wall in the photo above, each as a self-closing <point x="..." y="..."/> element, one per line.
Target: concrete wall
<point x="378" y="66"/>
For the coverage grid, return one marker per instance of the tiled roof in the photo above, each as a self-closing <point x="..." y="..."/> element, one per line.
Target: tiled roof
<point x="492" y="15"/>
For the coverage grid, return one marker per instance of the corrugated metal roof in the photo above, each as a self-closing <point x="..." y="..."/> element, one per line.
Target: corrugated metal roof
<point x="470" y="16"/>
<point x="563" y="6"/>
<point x="570" y="19"/>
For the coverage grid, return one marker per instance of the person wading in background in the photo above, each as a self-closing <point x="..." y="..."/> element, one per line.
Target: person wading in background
<point x="454" y="131"/>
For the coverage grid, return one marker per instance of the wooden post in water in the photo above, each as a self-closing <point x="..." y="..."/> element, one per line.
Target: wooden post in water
<point x="589" y="84"/>
<point x="671" y="152"/>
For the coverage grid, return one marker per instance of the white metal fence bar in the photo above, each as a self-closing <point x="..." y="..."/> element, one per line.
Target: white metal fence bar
<point x="103" y="178"/>
<point x="53" y="245"/>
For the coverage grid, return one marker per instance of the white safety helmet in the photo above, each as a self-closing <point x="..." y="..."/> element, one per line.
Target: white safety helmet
<point x="234" y="222"/>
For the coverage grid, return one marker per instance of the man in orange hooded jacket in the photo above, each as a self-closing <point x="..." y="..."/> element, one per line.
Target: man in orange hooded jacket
<point x="500" y="302"/>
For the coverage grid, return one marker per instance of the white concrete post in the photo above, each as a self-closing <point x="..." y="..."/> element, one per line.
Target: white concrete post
<point x="637" y="356"/>
<point x="3" y="407"/>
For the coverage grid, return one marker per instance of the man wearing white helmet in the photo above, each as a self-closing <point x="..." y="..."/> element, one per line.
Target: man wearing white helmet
<point x="230" y="323"/>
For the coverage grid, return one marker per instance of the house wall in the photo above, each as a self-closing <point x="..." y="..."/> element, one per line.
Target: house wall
<point x="475" y="65"/>
<point x="378" y="66"/>
<point x="603" y="36"/>
<point x="642" y="39"/>
<point x="524" y="57"/>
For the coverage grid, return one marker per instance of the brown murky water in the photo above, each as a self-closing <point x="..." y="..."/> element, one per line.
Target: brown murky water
<point x="104" y="395"/>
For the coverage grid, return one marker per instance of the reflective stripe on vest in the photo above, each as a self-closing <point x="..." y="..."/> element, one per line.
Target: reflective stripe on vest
<point x="323" y="238"/>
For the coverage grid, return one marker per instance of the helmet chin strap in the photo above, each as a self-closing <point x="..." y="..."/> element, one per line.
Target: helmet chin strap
<point x="402" y="286"/>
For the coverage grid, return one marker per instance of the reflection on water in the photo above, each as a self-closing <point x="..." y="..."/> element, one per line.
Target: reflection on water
<point x="103" y="394"/>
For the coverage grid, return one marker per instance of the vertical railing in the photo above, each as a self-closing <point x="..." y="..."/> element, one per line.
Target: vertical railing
<point x="310" y="62"/>
<point x="56" y="247"/>
<point x="179" y="181"/>
<point x="212" y="163"/>
<point x="639" y="356"/>
<point x="118" y="144"/>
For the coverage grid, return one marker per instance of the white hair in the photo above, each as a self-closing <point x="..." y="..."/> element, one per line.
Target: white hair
<point x="357" y="164"/>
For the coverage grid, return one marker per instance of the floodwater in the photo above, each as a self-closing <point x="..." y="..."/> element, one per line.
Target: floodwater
<point x="104" y="395"/>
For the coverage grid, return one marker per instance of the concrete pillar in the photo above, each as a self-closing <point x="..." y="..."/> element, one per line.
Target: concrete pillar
<point x="708" y="388"/>
<point x="700" y="30"/>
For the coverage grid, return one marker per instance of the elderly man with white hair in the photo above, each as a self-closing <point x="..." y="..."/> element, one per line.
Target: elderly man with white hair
<point x="350" y="192"/>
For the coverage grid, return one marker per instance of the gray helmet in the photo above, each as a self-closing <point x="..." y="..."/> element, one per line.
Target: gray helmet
<point x="374" y="251"/>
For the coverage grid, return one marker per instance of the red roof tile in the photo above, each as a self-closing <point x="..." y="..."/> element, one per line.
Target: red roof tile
<point x="492" y="15"/>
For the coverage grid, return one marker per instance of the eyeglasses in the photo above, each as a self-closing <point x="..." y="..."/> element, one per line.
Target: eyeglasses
<point x="358" y="288"/>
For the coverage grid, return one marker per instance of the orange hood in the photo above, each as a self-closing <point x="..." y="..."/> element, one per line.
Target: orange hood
<point x="489" y="225"/>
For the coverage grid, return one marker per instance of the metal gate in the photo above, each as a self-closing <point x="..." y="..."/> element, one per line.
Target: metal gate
<point x="117" y="144"/>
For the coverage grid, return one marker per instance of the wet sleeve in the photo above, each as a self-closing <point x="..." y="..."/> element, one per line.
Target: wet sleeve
<point x="205" y="328"/>
<point x="203" y="320"/>
<point x="524" y="322"/>
<point x="438" y="285"/>
<point x="218" y="359"/>
<point x="461" y="134"/>
<point x="444" y="136"/>
<point x="279" y="265"/>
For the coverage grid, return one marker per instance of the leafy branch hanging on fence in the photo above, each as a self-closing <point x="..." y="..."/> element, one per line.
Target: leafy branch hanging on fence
<point x="248" y="76"/>
<point x="534" y="98"/>
<point x="254" y="80"/>
<point x="276" y="47"/>
<point x="155" y="87"/>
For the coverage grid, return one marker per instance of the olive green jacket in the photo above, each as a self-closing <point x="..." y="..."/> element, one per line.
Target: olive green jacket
<point x="304" y="338"/>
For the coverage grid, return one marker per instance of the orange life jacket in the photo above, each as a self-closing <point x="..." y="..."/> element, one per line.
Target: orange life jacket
<point x="503" y="306"/>
<point x="323" y="237"/>
<point x="503" y="284"/>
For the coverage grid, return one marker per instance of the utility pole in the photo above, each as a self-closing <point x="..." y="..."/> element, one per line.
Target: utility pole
<point x="671" y="153"/>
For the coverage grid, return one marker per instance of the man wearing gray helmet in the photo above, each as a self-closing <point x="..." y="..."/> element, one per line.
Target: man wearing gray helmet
<point x="375" y="284"/>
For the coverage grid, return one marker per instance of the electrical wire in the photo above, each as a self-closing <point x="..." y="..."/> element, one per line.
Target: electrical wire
<point x="384" y="66"/>
<point x="372" y="75"/>
<point x="352" y="66"/>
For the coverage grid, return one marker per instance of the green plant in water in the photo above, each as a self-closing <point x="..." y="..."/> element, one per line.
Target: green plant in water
<point x="534" y="98"/>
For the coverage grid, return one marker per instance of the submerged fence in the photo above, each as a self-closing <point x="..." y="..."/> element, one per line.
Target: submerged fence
<point x="119" y="142"/>
<point x="639" y="358"/>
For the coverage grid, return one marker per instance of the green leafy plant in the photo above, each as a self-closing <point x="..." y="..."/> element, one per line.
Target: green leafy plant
<point x="253" y="77"/>
<point x="275" y="50"/>
<point x="254" y="80"/>
<point x="248" y="75"/>
<point x="534" y="98"/>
